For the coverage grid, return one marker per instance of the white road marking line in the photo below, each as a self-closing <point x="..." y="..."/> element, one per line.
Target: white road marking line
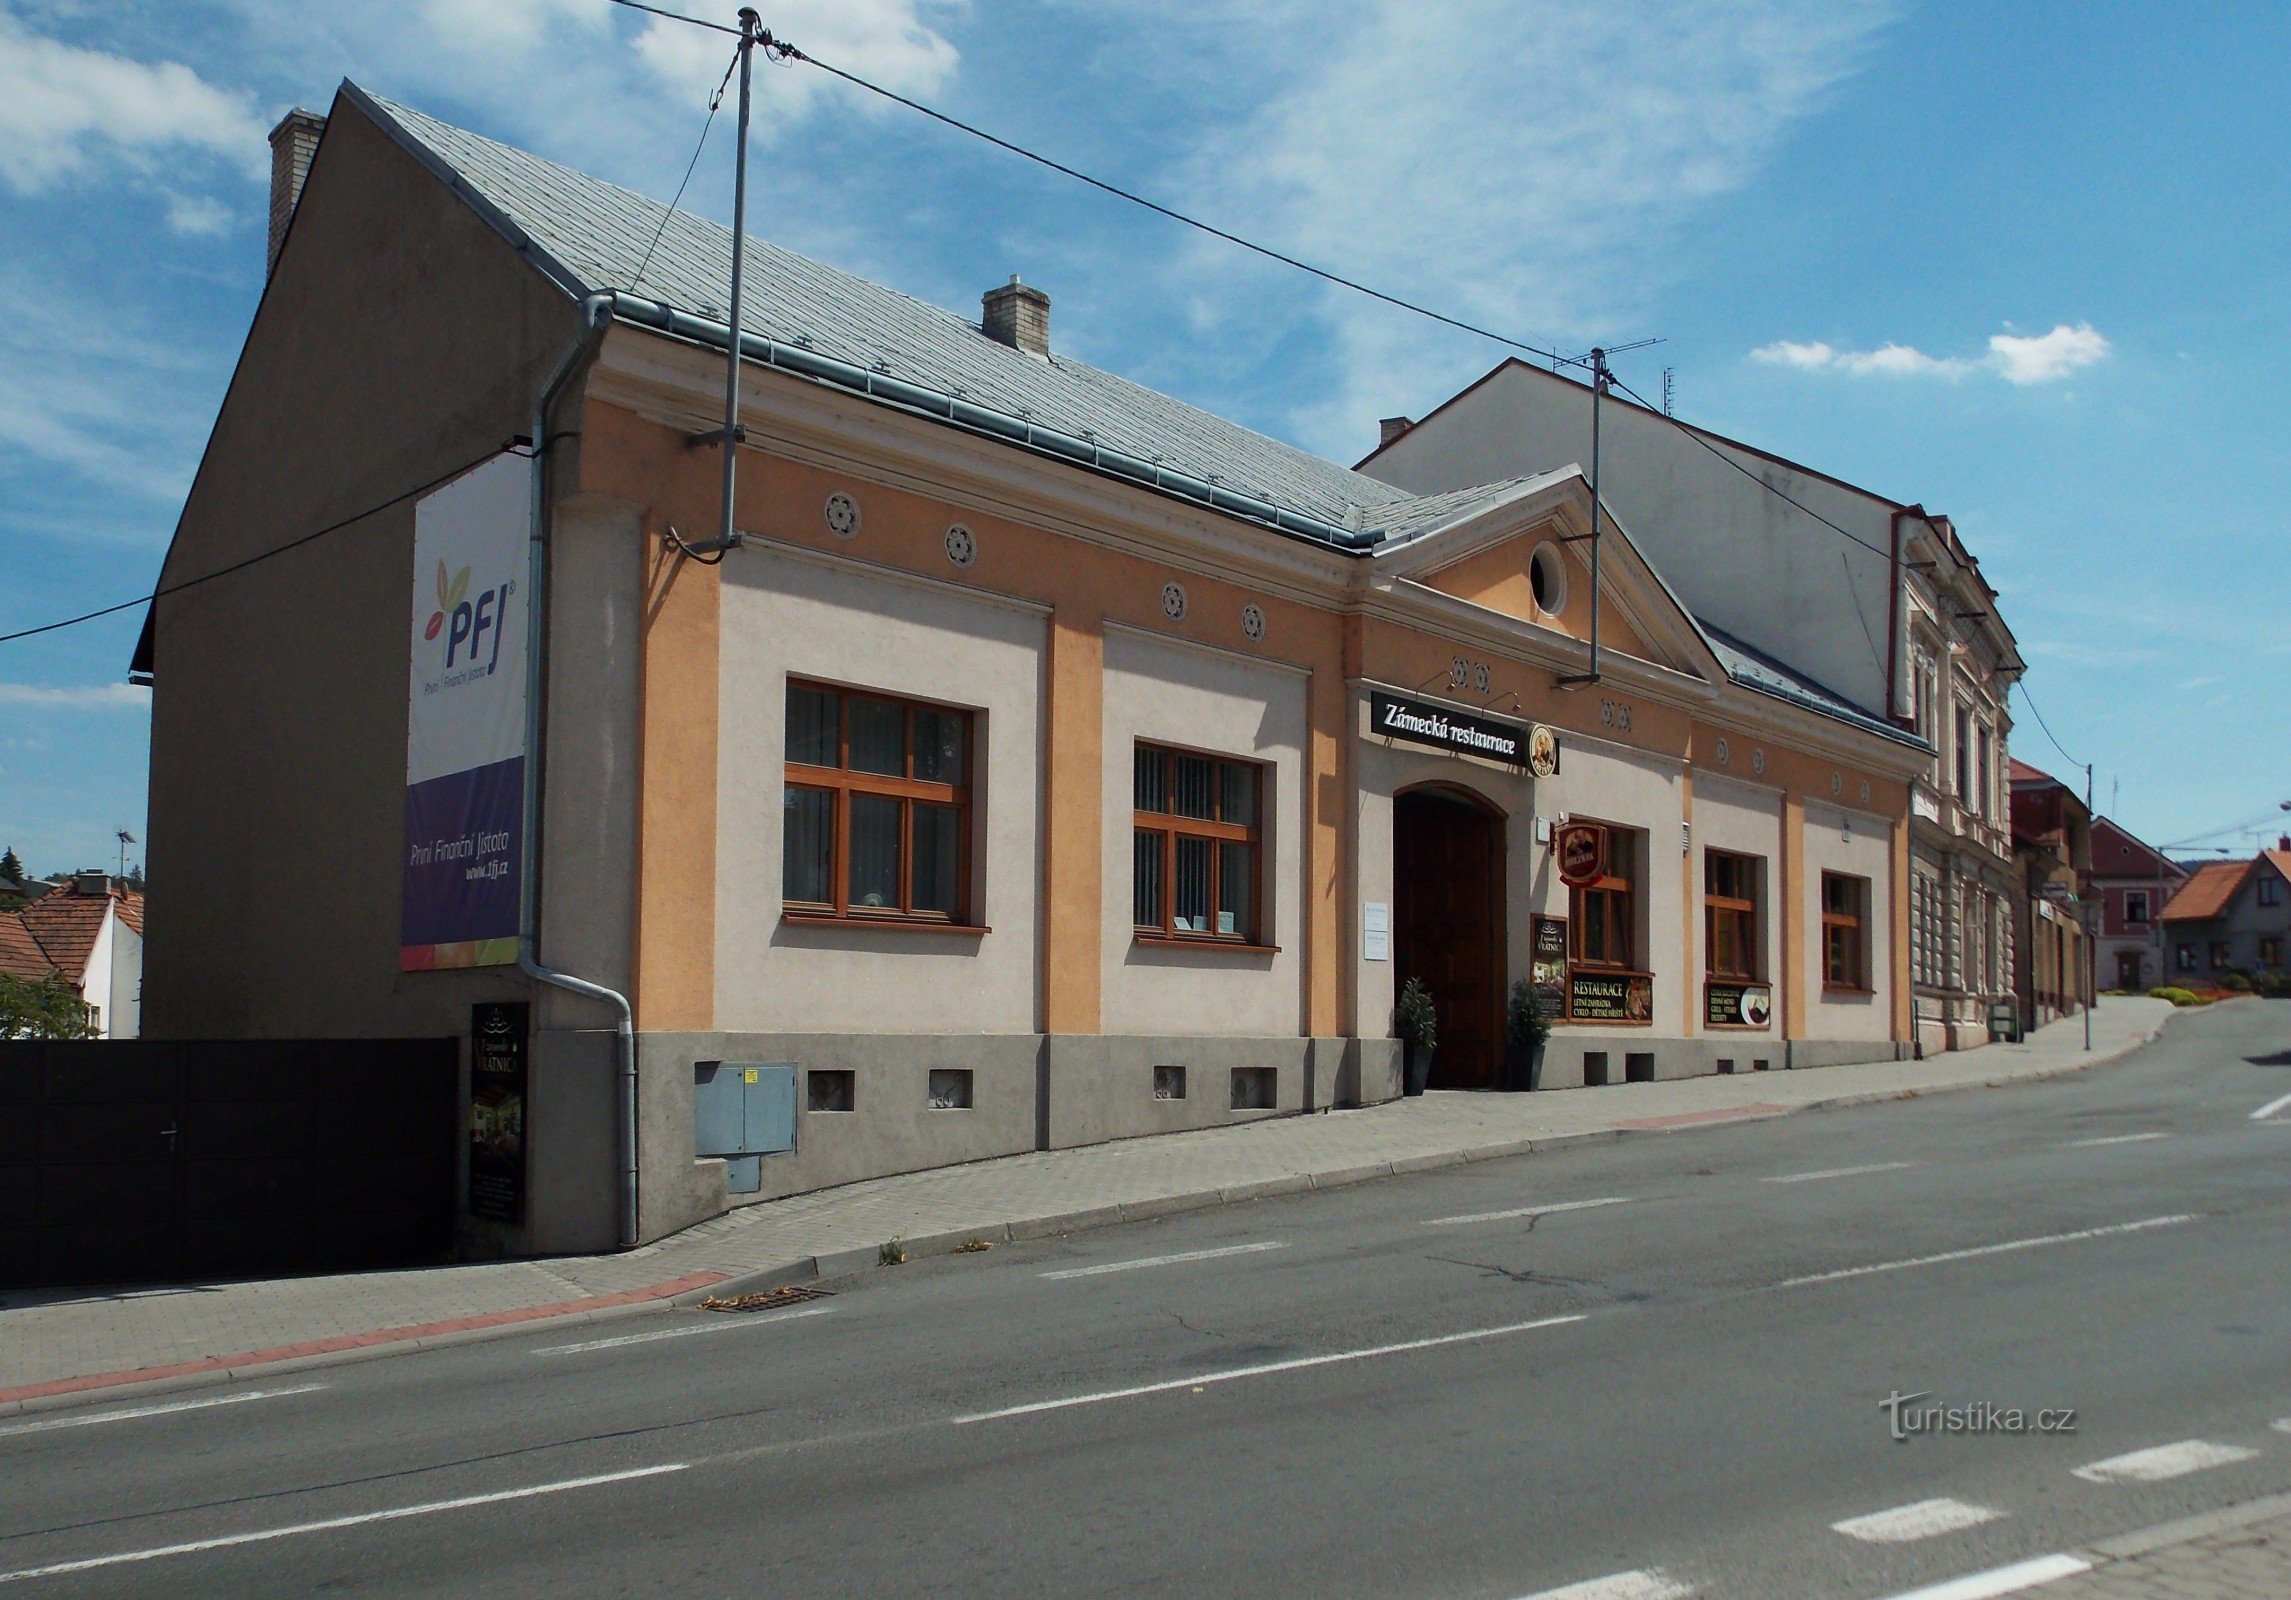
<point x="1922" y="1519"/>
<point x="727" y="1325"/>
<point x="1203" y="1380"/>
<point x="2165" y="1461"/>
<point x="2120" y="1138"/>
<point x="1840" y="1172"/>
<point x="327" y="1524"/>
<point x="2269" y="1109"/>
<point x="2001" y="1580"/>
<point x="2007" y="1247"/>
<point x="1528" y="1211"/>
<point x="129" y="1413"/>
<point x="1649" y="1585"/>
<point x="1168" y="1261"/>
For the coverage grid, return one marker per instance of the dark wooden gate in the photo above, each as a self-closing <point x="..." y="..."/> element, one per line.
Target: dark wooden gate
<point x="155" y="1161"/>
<point x="1447" y="919"/>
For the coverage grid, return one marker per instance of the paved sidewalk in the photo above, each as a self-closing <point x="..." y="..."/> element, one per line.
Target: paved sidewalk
<point x="54" y="1346"/>
<point x="2243" y="1553"/>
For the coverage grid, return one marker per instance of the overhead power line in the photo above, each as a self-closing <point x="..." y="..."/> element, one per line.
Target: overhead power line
<point x="264" y="555"/>
<point x="2030" y="701"/>
<point x="715" y="104"/>
<point x="780" y="49"/>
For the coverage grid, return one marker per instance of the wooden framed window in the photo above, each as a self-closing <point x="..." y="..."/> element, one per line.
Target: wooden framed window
<point x="2136" y="905"/>
<point x="2221" y="960"/>
<point x="2271" y="951"/>
<point x="1197" y="852"/>
<point x="2185" y="958"/>
<point x="2270" y="891"/>
<point x="1604" y="914"/>
<point x="1730" y="896"/>
<point x="877" y="808"/>
<point x="1845" y="931"/>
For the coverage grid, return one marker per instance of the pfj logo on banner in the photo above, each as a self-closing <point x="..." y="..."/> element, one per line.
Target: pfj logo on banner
<point x="465" y="723"/>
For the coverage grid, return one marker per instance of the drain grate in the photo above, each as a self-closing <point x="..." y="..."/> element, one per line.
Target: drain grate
<point x="764" y="1299"/>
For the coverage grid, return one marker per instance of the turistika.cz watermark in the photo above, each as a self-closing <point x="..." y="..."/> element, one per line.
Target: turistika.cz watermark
<point x="1906" y="1418"/>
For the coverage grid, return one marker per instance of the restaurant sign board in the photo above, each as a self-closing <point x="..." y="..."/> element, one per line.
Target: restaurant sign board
<point x="1459" y="733"/>
<point x="1738" y="1005"/>
<point x="1610" y="996"/>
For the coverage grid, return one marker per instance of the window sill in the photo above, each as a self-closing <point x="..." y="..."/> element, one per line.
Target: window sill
<point x="828" y="919"/>
<point x="1848" y="991"/>
<point x="1202" y="941"/>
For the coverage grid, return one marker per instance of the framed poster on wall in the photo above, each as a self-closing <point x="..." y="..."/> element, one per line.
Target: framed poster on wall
<point x="498" y="1035"/>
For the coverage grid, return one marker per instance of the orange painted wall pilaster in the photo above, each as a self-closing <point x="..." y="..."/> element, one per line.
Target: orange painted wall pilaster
<point x="1328" y="860"/>
<point x="1073" y="851"/>
<point x="676" y="816"/>
<point x="1690" y="895"/>
<point x="1794" y="916"/>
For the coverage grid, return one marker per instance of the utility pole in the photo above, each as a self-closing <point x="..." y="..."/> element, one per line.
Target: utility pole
<point x="1600" y="377"/>
<point x="2091" y="923"/>
<point x="751" y="35"/>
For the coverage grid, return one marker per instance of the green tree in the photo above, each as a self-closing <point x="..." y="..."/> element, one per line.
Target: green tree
<point x="11" y="869"/>
<point x="43" y="1008"/>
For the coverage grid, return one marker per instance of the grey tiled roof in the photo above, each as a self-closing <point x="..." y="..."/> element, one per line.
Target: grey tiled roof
<point x="596" y="233"/>
<point x="1754" y="669"/>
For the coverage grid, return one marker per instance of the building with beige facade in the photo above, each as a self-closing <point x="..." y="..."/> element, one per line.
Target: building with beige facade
<point x="1875" y="601"/>
<point x="1047" y="761"/>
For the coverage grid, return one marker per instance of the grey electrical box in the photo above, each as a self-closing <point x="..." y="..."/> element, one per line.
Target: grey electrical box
<point x="743" y="1111"/>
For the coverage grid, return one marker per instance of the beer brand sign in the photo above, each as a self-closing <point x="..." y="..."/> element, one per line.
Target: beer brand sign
<point x="1581" y="850"/>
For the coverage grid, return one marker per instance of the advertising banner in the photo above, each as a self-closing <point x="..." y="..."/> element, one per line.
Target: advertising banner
<point x="1738" y="1005"/>
<point x="1610" y="996"/>
<point x="497" y="1040"/>
<point x="465" y="722"/>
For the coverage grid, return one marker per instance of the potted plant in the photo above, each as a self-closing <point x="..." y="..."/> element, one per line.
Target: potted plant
<point x="1416" y="1022"/>
<point x="1526" y="1029"/>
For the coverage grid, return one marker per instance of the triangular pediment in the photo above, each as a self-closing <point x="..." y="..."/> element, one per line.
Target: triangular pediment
<point x="1522" y="551"/>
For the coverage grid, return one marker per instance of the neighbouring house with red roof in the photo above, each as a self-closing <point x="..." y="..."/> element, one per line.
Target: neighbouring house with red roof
<point x="91" y="934"/>
<point x="2232" y="916"/>
<point x="2132" y="880"/>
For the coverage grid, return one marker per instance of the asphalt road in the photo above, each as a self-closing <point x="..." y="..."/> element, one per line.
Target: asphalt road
<point x="1421" y="1387"/>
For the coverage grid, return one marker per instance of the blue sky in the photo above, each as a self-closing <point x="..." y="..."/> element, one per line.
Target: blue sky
<point x="1828" y="211"/>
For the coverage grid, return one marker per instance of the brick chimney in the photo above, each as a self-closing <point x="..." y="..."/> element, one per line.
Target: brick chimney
<point x="1391" y="428"/>
<point x="292" y="143"/>
<point x="1017" y="314"/>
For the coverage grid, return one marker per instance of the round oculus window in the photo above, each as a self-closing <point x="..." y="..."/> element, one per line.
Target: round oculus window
<point x="842" y="515"/>
<point x="1547" y="578"/>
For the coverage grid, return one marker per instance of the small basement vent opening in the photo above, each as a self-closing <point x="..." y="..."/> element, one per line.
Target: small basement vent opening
<point x="830" y="1089"/>
<point x="1255" y="1088"/>
<point x="1639" y="1067"/>
<point x="950" y="1089"/>
<point x="1169" y="1083"/>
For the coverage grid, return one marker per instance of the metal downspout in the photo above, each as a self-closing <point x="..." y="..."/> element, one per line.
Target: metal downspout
<point x="596" y="311"/>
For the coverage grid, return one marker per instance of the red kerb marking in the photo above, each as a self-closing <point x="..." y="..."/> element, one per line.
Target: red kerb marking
<point x="361" y="1341"/>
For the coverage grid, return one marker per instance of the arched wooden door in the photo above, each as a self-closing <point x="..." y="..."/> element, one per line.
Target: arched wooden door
<point x="1448" y="927"/>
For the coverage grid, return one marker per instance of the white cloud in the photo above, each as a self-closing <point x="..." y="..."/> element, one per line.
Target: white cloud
<point x="197" y="214"/>
<point x="77" y="697"/>
<point x="2046" y="356"/>
<point x="2039" y="358"/>
<point x="1459" y="152"/>
<point x="64" y="109"/>
<point x="1790" y="354"/>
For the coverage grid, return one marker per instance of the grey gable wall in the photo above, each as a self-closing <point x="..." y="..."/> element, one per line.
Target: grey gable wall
<point x="399" y="337"/>
<point x="1737" y="555"/>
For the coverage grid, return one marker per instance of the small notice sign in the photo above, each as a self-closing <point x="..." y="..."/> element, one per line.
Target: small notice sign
<point x="1611" y="996"/>
<point x="1376" y="931"/>
<point x="498" y="1033"/>
<point x="1738" y="1005"/>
